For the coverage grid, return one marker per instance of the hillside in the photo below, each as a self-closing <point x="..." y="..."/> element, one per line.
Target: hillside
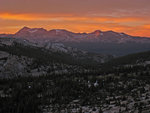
<point x="21" y="56"/>
<point x="142" y="58"/>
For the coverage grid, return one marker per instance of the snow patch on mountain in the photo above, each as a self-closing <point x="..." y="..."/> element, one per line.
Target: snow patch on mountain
<point x="33" y="31"/>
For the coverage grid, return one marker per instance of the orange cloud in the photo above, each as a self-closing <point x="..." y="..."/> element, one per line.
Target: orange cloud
<point x="147" y="26"/>
<point x="9" y="16"/>
<point x="31" y="17"/>
<point x="77" y="23"/>
<point x="65" y="17"/>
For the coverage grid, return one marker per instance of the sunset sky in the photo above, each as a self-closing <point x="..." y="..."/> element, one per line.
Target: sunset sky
<point x="129" y="16"/>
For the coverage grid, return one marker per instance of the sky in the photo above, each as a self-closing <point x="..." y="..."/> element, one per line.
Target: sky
<point x="128" y="16"/>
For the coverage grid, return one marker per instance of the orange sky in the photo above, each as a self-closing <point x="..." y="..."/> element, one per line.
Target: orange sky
<point x="129" y="16"/>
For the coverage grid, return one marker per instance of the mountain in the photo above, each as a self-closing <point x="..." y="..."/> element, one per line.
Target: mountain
<point x="108" y="42"/>
<point x="67" y="36"/>
<point x="45" y="75"/>
<point x="20" y="57"/>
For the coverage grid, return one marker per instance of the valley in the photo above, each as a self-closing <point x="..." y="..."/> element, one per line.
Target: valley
<point x="47" y="76"/>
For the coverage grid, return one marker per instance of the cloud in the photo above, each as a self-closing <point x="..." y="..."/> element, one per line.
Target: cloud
<point x="30" y="17"/>
<point x="11" y="22"/>
<point x="66" y="17"/>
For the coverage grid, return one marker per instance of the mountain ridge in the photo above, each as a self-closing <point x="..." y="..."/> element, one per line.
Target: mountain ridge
<point x="49" y="33"/>
<point x="98" y="30"/>
<point x="105" y="42"/>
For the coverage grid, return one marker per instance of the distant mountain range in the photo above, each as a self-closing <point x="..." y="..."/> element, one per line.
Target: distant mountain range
<point x="30" y="51"/>
<point x="108" y="42"/>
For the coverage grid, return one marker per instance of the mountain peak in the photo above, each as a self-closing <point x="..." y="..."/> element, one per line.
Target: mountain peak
<point x="96" y="32"/>
<point x="24" y="28"/>
<point x="31" y="30"/>
<point x="112" y="32"/>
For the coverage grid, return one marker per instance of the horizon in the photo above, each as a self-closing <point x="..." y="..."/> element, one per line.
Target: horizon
<point x="130" y="17"/>
<point x="71" y="31"/>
